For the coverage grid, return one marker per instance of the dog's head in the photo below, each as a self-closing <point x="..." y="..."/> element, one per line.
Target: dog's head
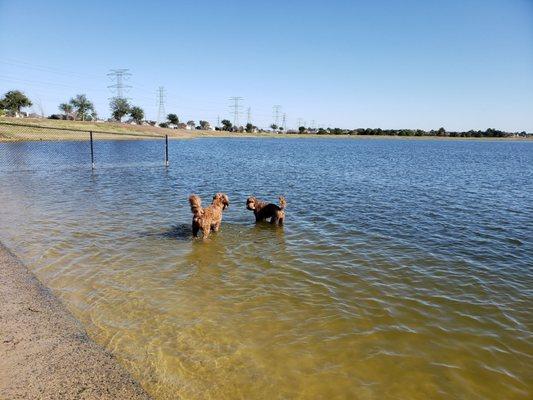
<point x="251" y="203"/>
<point x="221" y="198"/>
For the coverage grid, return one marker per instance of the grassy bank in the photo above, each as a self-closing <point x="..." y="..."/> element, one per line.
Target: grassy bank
<point x="26" y="129"/>
<point x="18" y="129"/>
<point x="22" y="129"/>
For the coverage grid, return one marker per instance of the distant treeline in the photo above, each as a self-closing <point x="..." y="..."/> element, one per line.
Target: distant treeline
<point x="491" y="133"/>
<point x="81" y="108"/>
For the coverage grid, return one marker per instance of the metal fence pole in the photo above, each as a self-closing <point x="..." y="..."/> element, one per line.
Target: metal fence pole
<point x="166" y="150"/>
<point x="92" y="150"/>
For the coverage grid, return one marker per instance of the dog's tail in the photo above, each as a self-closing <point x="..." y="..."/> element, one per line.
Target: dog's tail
<point x="282" y="202"/>
<point x="196" y="204"/>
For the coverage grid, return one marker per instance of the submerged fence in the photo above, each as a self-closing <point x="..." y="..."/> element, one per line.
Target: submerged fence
<point x="36" y="147"/>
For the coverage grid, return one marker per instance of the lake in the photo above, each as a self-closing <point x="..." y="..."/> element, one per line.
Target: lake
<point x="404" y="269"/>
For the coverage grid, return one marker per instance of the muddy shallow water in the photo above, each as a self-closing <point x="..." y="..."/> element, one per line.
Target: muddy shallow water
<point x="404" y="269"/>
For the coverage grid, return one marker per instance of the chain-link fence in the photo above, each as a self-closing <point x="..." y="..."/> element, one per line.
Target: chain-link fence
<point x="34" y="147"/>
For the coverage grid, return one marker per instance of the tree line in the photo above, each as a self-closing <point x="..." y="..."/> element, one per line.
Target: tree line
<point x="81" y="108"/>
<point x="441" y="132"/>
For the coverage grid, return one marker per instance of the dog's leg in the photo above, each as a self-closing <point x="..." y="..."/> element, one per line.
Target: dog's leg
<point x="216" y="227"/>
<point x="281" y="217"/>
<point x="195" y="229"/>
<point x="207" y="230"/>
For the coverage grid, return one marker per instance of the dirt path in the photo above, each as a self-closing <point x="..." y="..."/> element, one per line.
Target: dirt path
<point x="44" y="351"/>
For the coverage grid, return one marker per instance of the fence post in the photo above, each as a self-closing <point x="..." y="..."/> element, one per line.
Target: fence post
<point x="166" y="150"/>
<point x="92" y="150"/>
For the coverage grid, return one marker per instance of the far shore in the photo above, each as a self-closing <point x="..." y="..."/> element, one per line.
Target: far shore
<point x="34" y="129"/>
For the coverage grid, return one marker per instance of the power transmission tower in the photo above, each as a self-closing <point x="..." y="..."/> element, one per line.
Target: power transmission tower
<point x="284" y="122"/>
<point x="300" y="122"/>
<point x="249" y="115"/>
<point x="218" y="121"/>
<point x="160" y="103"/>
<point x="236" y="109"/>
<point x="119" y="76"/>
<point x="39" y="107"/>
<point x="313" y="124"/>
<point x="275" y="111"/>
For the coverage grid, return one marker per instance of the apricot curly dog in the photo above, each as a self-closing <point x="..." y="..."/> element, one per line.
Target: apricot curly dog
<point x="208" y="218"/>
<point x="263" y="210"/>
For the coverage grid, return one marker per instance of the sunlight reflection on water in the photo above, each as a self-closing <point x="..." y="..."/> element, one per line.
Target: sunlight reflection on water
<point x="403" y="271"/>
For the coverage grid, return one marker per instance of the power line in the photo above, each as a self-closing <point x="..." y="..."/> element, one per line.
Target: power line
<point x="236" y="109"/>
<point x="119" y="75"/>
<point x="160" y="103"/>
<point x="275" y="111"/>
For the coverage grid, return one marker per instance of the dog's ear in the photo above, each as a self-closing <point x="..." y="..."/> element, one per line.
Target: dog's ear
<point x="225" y="200"/>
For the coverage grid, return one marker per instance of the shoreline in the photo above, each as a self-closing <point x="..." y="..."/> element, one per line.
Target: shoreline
<point x="46" y="352"/>
<point x="232" y="135"/>
<point x="17" y="130"/>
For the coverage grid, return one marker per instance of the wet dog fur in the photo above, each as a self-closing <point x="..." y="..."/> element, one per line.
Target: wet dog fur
<point x="263" y="210"/>
<point x="207" y="219"/>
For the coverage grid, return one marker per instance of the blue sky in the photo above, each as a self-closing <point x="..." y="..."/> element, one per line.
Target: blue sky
<point x="461" y="64"/>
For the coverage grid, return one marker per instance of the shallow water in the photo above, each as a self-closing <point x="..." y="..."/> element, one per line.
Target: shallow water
<point x="404" y="270"/>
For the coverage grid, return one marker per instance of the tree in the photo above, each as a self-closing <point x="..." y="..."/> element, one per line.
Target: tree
<point x="82" y="105"/>
<point x="249" y="127"/>
<point x="205" y="125"/>
<point x="301" y="129"/>
<point x="191" y="124"/>
<point x="67" y="109"/>
<point x="14" y="100"/>
<point x="226" y="125"/>
<point x="119" y="108"/>
<point x="163" y="125"/>
<point x="137" y="114"/>
<point x="441" y="132"/>
<point x="173" y="119"/>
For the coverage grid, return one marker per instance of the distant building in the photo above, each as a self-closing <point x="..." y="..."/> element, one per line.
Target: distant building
<point x="33" y="115"/>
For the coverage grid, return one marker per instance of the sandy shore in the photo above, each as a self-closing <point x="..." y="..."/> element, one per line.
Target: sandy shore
<point x="45" y="352"/>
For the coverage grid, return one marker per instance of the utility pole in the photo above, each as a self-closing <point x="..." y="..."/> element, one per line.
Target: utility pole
<point x="236" y="109"/>
<point x="119" y="76"/>
<point x="275" y="111"/>
<point x="249" y="115"/>
<point x="160" y="103"/>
